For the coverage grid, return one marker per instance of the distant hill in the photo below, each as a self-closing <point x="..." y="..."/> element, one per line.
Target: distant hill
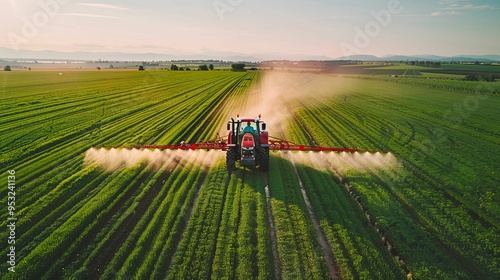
<point x="426" y="57"/>
<point x="6" y="53"/>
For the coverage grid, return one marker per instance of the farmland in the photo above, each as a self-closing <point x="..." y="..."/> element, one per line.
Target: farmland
<point x="429" y="207"/>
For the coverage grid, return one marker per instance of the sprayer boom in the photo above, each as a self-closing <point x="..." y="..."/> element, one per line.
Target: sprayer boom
<point x="208" y="145"/>
<point x="247" y="142"/>
<point x="275" y="144"/>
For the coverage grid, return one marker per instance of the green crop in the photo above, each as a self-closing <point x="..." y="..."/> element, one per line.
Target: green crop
<point x="429" y="207"/>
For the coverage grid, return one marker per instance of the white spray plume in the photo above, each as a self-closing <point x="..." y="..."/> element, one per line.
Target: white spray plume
<point x="342" y="162"/>
<point x="114" y="159"/>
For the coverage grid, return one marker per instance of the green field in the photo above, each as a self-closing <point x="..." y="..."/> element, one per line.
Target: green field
<point x="445" y="71"/>
<point x="430" y="206"/>
<point x="444" y="66"/>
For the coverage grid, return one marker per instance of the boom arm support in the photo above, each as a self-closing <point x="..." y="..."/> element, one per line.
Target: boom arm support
<point x="283" y="145"/>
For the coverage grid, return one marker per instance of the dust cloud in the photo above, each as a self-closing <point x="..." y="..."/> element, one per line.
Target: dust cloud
<point x="277" y="95"/>
<point x="113" y="159"/>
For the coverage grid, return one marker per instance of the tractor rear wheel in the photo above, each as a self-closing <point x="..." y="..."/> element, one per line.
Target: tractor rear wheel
<point x="231" y="159"/>
<point x="264" y="158"/>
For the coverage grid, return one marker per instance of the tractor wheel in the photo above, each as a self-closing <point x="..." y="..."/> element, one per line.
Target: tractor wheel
<point x="264" y="158"/>
<point x="230" y="159"/>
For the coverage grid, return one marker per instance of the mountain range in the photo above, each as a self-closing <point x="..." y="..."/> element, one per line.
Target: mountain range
<point x="426" y="57"/>
<point x="6" y="53"/>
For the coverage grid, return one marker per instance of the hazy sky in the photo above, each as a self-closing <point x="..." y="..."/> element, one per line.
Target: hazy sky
<point x="330" y="28"/>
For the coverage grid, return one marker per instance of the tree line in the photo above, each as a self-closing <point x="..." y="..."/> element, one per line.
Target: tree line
<point x="435" y="64"/>
<point x="203" y="67"/>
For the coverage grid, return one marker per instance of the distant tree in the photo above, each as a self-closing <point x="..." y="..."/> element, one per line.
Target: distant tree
<point x="174" y="67"/>
<point x="211" y="67"/>
<point x="181" y="68"/>
<point x="203" y="67"/>
<point x="29" y="68"/>
<point x="238" y="67"/>
<point x="471" y="77"/>
<point x="98" y="68"/>
<point x="489" y="78"/>
<point x="7" y="68"/>
<point x="141" y="68"/>
<point x="111" y="66"/>
<point x="188" y="69"/>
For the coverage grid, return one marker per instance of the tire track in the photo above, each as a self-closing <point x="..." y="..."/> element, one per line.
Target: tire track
<point x="390" y="247"/>
<point x="369" y="216"/>
<point x="326" y="249"/>
<point x="321" y="237"/>
<point x="272" y="231"/>
<point x="189" y="226"/>
<point x="354" y="196"/>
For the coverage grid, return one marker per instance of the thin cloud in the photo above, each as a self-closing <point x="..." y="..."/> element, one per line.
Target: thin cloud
<point x="104" y="6"/>
<point x="470" y="7"/>
<point x="409" y="15"/>
<point x="90" y="15"/>
<point x="452" y="13"/>
<point x="447" y="2"/>
<point x="459" y="7"/>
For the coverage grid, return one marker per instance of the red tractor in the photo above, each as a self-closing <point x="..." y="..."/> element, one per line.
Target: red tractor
<point x="248" y="142"/>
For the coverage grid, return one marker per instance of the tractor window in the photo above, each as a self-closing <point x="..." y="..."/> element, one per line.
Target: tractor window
<point x="245" y="126"/>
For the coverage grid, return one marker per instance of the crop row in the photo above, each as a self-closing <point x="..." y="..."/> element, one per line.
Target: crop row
<point x="227" y="235"/>
<point x="298" y="249"/>
<point x="419" y="187"/>
<point x="148" y="249"/>
<point x="78" y="221"/>
<point x="357" y="248"/>
<point x="468" y="86"/>
<point x="243" y="241"/>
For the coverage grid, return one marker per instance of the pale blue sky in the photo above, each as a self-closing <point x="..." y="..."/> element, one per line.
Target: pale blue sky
<point x="330" y="28"/>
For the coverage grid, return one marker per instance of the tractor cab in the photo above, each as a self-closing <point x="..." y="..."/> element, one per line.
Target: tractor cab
<point x="250" y="127"/>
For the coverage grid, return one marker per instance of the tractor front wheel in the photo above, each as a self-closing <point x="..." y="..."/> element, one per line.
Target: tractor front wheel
<point x="264" y="158"/>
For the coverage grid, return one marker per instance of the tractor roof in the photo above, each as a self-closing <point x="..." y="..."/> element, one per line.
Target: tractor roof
<point x="248" y="119"/>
